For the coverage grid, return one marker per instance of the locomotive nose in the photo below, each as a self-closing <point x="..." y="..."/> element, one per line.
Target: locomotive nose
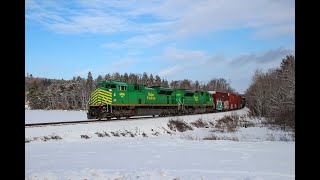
<point x="100" y="97"/>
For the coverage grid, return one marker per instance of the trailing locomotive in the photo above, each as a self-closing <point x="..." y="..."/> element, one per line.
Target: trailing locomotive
<point x="119" y="99"/>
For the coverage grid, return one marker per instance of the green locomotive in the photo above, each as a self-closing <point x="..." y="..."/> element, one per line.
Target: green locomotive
<point x="119" y="99"/>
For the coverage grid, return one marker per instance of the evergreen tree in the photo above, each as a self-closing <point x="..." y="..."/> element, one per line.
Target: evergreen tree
<point x="89" y="86"/>
<point x="151" y="80"/>
<point x="99" y="79"/>
<point x="145" y="79"/>
<point x="107" y="77"/>
<point x="116" y="76"/>
<point x="158" y="81"/>
<point x="125" y="78"/>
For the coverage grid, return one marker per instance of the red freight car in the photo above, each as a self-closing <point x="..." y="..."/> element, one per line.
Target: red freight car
<point x="235" y="101"/>
<point x="232" y="101"/>
<point x="238" y="101"/>
<point x="221" y="100"/>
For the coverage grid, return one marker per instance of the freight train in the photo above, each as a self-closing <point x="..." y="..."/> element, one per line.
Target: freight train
<point x="118" y="99"/>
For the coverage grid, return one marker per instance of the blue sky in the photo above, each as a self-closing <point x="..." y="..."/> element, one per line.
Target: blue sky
<point x="175" y="39"/>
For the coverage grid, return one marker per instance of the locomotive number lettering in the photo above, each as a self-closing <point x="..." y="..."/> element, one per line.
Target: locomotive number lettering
<point x="151" y="96"/>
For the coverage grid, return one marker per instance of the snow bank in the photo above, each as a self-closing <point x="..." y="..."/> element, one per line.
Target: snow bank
<point x="38" y="116"/>
<point x="155" y="151"/>
<point x="148" y="127"/>
<point x="160" y="158"/>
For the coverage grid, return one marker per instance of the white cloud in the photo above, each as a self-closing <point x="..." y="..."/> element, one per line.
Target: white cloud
<point x="64" y="19"/>
<point x="170" y="70"/>
<point x="178" y="17"/>
<point x="264" y="58"/>
<point x="199" y="16"/>
<point x="173" y="54"/>
<point x="276" y="31"/>
<point x="142" y="41"/>
<point x="238" y="69"/>
<point x="101" y="23"/>
<point x="179" y="60"/>
<point x="121" y="64"/>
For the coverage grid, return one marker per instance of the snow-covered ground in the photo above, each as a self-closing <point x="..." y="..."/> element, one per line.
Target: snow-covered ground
<point x="148" y="149"/>
<point x="39" y="116"/>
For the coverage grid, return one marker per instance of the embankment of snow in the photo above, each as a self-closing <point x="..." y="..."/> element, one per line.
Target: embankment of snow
<point x="151" y="127"/>
<point x="148" y="149"/>
<point x="42" y="116"/>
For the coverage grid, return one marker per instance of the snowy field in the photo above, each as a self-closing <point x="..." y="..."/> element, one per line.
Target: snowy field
<point x="39" y="116"/>
<point x="149" y="149"/>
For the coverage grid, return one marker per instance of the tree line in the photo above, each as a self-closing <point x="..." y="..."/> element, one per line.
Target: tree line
<point x="271" y="94"/>
<point x="74" y="94"/>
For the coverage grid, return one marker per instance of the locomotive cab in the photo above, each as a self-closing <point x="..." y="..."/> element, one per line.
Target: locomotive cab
<point x="107" y="85"/>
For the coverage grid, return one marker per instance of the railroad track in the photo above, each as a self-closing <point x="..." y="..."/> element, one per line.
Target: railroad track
<point x="103" y="120"/>
<point x="84" y="121"/>
<point x="59" y="123"/>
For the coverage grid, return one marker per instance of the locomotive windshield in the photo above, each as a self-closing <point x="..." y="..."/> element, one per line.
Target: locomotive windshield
<point x="110" y="86"/>
<point x="104" y="85"/>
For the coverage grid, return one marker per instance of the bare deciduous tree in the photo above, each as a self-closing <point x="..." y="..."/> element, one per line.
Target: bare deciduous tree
<point x="272" y="94"/>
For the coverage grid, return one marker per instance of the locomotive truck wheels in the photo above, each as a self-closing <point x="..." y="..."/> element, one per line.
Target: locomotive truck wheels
<point x="89" y="116"/>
